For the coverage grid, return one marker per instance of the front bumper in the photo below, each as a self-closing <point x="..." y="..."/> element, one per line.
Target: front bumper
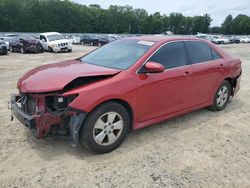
<point x="62" y="48"/>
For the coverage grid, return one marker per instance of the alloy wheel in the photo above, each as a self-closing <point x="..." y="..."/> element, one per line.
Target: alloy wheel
<point x="222" y="96"/>
<point x="108" y="128"/>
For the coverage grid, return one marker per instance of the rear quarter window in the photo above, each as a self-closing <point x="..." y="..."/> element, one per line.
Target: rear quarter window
<point x="215" y="54"/>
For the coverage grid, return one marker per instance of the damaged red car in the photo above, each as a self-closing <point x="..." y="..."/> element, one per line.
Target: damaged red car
<point x="125" y="85"/>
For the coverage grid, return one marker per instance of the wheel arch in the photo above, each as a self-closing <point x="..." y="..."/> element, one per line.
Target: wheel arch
<point x="124" y="103"/>
<point x="232" y="82"/>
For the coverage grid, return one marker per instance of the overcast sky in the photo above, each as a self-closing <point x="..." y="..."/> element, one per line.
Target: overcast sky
<point x="218" y="9"/>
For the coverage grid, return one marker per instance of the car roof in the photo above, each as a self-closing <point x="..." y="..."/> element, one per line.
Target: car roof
<point x="50" y="33"/>
<point x="161" y="39"/>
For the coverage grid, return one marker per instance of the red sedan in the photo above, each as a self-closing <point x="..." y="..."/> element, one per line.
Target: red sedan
<point x="125" y="85"/>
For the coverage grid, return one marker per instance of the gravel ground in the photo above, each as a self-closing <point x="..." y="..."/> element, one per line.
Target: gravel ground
<point x="199" y="149"/>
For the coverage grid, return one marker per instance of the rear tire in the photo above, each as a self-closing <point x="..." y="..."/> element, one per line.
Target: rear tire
<point x="221" y="96"/>
<point x="105" y="128"/>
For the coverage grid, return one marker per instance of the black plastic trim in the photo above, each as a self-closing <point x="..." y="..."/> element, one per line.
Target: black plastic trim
<point x="24" y="118"/>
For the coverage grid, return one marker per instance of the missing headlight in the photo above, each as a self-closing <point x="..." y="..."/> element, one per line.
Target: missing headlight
<point x="59" y="103"/>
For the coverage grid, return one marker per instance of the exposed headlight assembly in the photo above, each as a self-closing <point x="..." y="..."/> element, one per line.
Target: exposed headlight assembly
<point x="59" y="103"/>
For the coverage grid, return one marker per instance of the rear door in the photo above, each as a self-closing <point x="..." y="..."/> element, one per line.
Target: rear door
<point x="207" y="71"/>
<point x="167" y="92"/>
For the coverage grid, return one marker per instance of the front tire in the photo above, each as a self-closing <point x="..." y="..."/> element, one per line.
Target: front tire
<point x="22" y="50"/>
<point x="5" y="51"/>
<point x="40" y="48"/>
<point x="105" y="128"/>
<point x="222" y="96"/>
<point x="50" y="49"/>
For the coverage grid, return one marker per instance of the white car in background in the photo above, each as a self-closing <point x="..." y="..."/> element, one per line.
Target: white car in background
<point x="75" y="39"/>
<point x="244" y="39"/>
<point x="55" y="42"/>
<point x="220" y="40"/>
<point x="6" y="41"/>
<point x="7" y="38"/>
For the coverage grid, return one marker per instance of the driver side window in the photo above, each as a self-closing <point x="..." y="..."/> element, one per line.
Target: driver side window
<point x="171" y="55"/>
<point x="43" y="38"/>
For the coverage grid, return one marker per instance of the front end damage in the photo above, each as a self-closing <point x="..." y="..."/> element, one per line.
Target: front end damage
<point x="43" y="104"/>
<point x="48" y="114"/>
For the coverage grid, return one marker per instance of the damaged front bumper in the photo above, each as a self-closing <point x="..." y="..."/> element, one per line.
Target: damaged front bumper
<point x="25" y="119"/>
<point x="43" y="123"/>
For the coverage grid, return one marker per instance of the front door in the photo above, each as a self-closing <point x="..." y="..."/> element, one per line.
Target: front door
<point x="164" y="93"/>
<point x="44" y="42"/>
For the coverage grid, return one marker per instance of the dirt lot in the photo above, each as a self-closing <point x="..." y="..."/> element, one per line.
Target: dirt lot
<point x="200" y="149"/>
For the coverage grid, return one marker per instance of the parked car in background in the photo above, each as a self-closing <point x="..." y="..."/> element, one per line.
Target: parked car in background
<point x="244" y="39"/>
<point x="3" y="48"/>
<point x="234" y="39"/>
<point x="206" y="37"/>
<point x="105" y="40"/>
<point x="6" y="40"/>
<point x="125" y="85"/>
<point x="220" y="40"/>
<point x="115" y="37"/>
<point x="10" y="35"/>
<point x="25" y="44"/>
<point x="75" y="39"/>
<point x="55" y="42"/>
<point x="92" y="40"/>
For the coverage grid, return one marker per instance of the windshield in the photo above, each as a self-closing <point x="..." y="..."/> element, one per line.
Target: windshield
<point x="120" y="54"/>
<point x="55" y="37"/>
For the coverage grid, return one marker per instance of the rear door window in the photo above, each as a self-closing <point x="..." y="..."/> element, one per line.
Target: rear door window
<point x="198" y="52"/>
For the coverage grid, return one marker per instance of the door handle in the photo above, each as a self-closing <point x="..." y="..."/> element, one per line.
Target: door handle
<point x="221" y="65"/>
<point x="186" y="73"/>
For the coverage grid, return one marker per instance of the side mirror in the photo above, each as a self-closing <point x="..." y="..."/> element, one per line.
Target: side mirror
<point x="153" y="67"/>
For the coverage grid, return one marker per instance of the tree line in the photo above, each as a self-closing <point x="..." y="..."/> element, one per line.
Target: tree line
<point x="69" y="17"/>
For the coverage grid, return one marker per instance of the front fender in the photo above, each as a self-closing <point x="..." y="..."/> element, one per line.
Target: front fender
<point x="94" y="94"/>
<point x="87" y="103"/>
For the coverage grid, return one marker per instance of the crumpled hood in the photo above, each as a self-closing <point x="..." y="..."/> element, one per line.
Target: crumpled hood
<point x="31" y="41"/>
<point x="54" y="77"/>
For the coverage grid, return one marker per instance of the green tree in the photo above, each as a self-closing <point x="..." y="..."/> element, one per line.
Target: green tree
<point x="241" y="25"/>
<point x="67" y="16"/>
<point x="227" y="25"/>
